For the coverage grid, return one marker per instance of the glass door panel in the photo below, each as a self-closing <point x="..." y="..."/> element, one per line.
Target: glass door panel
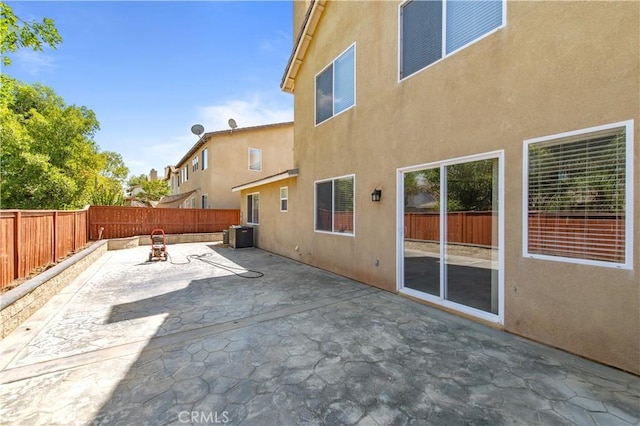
<point x="471" y="240"/>
<point x="422" y="230"/>
<point x="451" y="244"/>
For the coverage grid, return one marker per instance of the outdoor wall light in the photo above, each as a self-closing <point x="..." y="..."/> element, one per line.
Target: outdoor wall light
<point x="376" y="195"/>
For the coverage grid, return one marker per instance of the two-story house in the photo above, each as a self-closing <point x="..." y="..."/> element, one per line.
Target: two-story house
<point x="476" y="156"/>
<point x="220" y="160"/>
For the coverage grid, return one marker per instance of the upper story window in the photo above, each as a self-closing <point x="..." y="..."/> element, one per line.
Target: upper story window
<point x="255" y="159"/>
<point x="431" y="30"/>
<point x="336" y="86"/>
<point x="184" y="174"/>
<point x="335" y="205"/>
<point x="578" y="190"/>
<point x="205" y="159"/>
<point x="284" y="199"/>
<point x="194" y="163"/>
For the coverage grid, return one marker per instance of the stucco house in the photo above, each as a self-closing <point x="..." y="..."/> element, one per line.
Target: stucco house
<point x="220" y="160"/>
<point x="519" y="118"/>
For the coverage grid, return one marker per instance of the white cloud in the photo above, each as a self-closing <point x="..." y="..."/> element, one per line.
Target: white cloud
<point x="246" y="113"/>
<point x="33" y="62"/>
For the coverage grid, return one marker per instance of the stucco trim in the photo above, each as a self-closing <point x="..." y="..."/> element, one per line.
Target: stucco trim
<point x="301" y="46"/>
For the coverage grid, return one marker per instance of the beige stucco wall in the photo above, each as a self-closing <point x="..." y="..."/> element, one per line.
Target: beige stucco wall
<point x="554" y="67"/>
<point x="228" y="166"/>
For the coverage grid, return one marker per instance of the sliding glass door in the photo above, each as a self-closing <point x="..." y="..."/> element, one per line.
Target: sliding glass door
<point x="451" y="240"/>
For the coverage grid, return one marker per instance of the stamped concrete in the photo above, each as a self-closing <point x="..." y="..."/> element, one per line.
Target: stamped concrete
<point x="190" y="342"/>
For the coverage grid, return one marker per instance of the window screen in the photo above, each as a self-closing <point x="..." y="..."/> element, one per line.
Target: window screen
<point x="421" y="35"/>
<point x="335" y="86"/>
<point x="577" y="195"/>
<point x="344" y="85"/>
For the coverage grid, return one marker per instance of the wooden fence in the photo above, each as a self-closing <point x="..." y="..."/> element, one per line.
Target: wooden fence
<point x="478" y="228"/>
<point x="590" y="236"/>
<point x="596" y="236"/>
<point x="35" y="238"/>
<point x="31" y="239"/>
<point x="119" y="222"/>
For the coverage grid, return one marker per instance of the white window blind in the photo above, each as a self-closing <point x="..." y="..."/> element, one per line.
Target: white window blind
<point x="469" y="20"/>
<point x="432" y="29"/>
<point x="577" y="196"/>
<point x="335" y="206"/>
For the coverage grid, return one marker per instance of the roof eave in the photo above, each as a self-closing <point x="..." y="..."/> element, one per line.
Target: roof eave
<point x="302" y="45"/>
<point x="269" y="179"/>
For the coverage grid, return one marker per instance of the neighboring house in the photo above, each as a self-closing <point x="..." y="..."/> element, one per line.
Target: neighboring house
<point x="223" y="159"/>
<point x="521" y="116"/>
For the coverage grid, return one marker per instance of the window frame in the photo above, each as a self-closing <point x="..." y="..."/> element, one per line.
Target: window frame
<point x="628" y="125"/>
<point x="315" y="205"/>
<point x="444" y="35"/>
<point x="315" y="86"/>
<point x="259" y="151"/>
<point x="204" y="197"/>
<point x="286" y="198"/>
<point x="250" y="210"/>
<point x="194" y="164"/>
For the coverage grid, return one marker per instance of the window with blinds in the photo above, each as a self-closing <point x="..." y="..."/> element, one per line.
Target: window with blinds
<point x="255" y="159"/>
<point x="335" y="205"/>
<point x="253" y="208"/>
<point x="335" y="86"/>
<point x="578" y="196"/>
<point x="431" y="30"/>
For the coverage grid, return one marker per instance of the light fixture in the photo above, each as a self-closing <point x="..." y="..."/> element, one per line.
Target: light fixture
<point x="376" y="194"/>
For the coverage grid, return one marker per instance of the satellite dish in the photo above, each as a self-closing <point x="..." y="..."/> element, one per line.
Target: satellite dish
<point x="232" y="123"/>
<point x="197" y="129"/>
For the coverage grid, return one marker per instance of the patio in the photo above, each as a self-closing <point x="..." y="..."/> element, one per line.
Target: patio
<point x="201" y="340"/>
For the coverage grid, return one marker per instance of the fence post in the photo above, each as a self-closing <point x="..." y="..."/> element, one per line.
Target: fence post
<point x="16" y="244"/>
<point x="75" y="225"/>
<point x="55" y="236"/>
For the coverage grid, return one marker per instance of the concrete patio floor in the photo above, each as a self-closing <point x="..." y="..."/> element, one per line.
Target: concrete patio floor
<point x="130" y="342"/>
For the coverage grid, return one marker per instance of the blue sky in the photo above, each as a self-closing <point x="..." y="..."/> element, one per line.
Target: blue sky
<point x="150" y="70"/>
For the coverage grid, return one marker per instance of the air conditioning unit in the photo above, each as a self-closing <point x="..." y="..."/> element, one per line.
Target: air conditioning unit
<point x="240" y="237"/>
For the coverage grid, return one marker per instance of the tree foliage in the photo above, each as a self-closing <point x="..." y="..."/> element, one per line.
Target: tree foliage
<point x="16" y="34"/>
<point x="150" y="190"/>
<point x="469" y="185"/>
<point x="48" y="157"/>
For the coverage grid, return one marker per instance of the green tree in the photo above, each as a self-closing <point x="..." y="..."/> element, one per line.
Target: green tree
<point x="108" y="187"/>
<point x="150" y="190"/>
<point x="49" y="159"/>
